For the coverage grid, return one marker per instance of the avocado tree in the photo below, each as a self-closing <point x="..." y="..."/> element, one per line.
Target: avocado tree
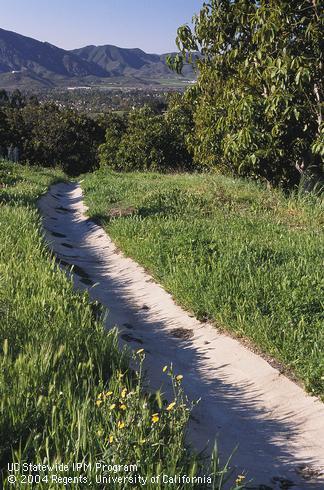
<point x="144" y="140"/>
<point x="179" y="120"/>
<point x="115" y="125"/>
<point x="259" y="91"/>
<point x="145" y="145"/>
<point x="48" y="135"/>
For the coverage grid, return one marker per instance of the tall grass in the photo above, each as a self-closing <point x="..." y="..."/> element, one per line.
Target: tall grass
<point x="247" y="258"/>
<point x="67" y="394"/>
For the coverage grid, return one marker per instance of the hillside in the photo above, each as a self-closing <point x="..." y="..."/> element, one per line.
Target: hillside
<point x="28" y="63"/>
<point x="128" y="62"/>
<point x="34" y="58"/>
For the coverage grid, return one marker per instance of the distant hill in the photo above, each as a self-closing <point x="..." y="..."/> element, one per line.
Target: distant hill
<point x="128" y="61"/>
<point x="28" y="63"/>
<point x="20" y="53"/>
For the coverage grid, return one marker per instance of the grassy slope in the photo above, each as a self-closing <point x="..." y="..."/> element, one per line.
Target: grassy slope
<point x="66" y="393"/>
<point x="245" y="257"/>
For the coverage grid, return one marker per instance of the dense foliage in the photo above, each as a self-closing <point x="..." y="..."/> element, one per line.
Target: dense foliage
<point x="144" y="140"/>
<point x="47" y="134"/>
<point x="258" y="101"/>
<point x="50" y="135"/>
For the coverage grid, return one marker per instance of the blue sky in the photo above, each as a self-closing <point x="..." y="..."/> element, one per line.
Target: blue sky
<point x="147" y="24"/>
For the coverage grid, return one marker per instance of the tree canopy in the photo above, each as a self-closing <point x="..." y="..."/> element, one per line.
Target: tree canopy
<point x="258" y="99"/>
<point x="48" y="135"/>
<point x="144" y="140"/>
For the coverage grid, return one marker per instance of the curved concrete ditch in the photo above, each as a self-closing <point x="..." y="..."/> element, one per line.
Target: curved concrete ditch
<point x="244" y="400"/>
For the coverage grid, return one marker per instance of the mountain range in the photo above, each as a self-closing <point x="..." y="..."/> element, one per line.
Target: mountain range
<point x="28" y="63"/>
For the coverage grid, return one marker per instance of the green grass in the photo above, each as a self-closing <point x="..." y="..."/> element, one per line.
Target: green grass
<point x="246" y="258"/>
<point x="67" y="393"/>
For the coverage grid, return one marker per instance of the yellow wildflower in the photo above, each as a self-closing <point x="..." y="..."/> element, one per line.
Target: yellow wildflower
<point x="112" y="406"/>
<point x="122" y="406"/>
<point x="99" y="432"/>
<point x="120" y="424"/>
<point x="142" y="441"/>
<point x="98" y="403"/>
<point x="155" y="418"/>
<point x="171" y="406"/>
<point x="165" y="368"/>
<point x="239" y="479"/>
<point x="179" y="377"/>
<point x="111" y="438"/>
<point x="123" y="393"/>
<point x="140" y="351"/>
<point x="109" y="393"/>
